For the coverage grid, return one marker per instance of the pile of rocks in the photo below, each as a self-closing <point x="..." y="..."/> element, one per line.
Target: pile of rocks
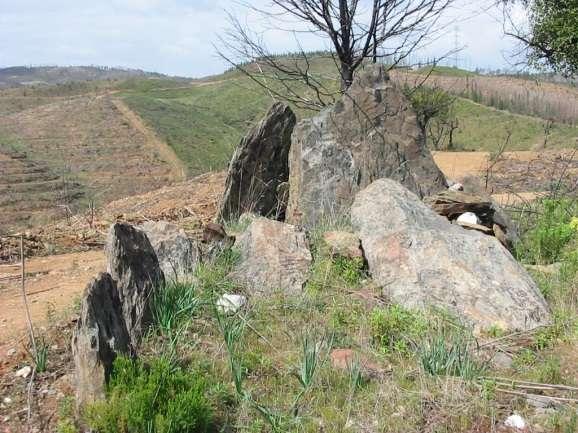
<point x="364" y="159"/>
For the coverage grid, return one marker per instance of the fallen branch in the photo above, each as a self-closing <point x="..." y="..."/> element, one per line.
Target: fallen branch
<point x="537" y="397"/>
<point x="529" y="385"/>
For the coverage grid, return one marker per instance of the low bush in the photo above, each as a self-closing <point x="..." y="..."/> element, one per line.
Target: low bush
<point x="396" y="329"/>
<point x="155" y="398"/>
<point x="551" y="232"/>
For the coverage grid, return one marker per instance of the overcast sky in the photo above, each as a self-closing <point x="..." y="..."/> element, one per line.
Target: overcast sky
<point x="176" y="36"/>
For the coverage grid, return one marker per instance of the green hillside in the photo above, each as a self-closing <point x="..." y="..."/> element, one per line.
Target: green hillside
<point x="204" y="121"/>
<point x="486" y="128"/>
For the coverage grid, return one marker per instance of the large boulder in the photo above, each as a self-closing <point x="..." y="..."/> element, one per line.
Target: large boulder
<point x="100" y="334"/>
<point x="133" y="265"/>
<point x="371" y="133"/>
<point x="259" y="166"/>
<point x="421" y="259"/>
<point x="275" y="257"/>
<point x="178" y="255"/>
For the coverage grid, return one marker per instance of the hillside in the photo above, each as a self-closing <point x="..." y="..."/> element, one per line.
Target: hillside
<point x="84" y="143"/>
<point x="204" y="121"/>
<point x="45" y="75"/>
<point x="102" y="140"/>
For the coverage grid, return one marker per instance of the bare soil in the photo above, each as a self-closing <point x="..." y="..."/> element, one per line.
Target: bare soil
<point x="89" y="143"/>
<point x="52" y="285"/>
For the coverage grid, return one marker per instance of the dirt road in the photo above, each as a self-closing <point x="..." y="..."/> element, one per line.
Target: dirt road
<point x="52" y="284"/>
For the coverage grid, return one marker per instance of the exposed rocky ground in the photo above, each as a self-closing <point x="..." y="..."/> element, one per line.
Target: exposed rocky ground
<point x="384" y="302"/>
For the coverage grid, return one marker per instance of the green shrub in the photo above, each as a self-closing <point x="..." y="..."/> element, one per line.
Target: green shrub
<point x="395" y="329"/>
<point x="66" y="422"/>
<point x="155" y="398"/>
<point x="552" y="230"/>
<point x="450" y="355"/>
<point x="335" y="272"/>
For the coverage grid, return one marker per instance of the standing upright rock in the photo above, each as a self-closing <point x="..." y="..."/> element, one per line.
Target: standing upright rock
<point x="133" y="264"/>
<point x="259" y="166"/>
<point x="100" y="334"/>
<point x="371" y="133"/>
<point x="420" y="259"/>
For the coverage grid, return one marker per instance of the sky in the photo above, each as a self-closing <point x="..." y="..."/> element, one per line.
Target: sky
<point x="177" y="37"/>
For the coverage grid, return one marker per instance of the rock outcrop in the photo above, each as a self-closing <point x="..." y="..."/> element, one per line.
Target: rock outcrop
<point x="133" y="265"/>
<point x="371" y="133"/>
<point x="178" y="255"/>
<point x="275" y="257"/>
<point x="259" y="167"/>
<point x="100" y="335"/>
<point x="420" y="259"/>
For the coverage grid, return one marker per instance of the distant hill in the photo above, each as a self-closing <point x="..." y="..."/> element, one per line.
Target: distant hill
<point x="16" y="76"/>
<point x="118" y="133"/>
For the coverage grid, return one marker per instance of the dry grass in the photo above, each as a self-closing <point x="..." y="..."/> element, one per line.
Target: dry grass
<point x="533" y="98"/>
<point x="85" y="144"/>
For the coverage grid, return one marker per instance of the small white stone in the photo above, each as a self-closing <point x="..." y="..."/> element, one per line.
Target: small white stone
<point x="456" y="187"/>
<point x="24" y="372"/>
<point x="11" y="352"/>
<point x="515" y="421"/>
<point x="469" y="218"/>
<point x="229" y="303"/>
<point x="7" y="400"/>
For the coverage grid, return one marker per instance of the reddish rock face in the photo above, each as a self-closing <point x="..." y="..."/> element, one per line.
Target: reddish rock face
<point x="421" y="260"/>
<point x="343" y="244"/>
<point x="275" y="257"/>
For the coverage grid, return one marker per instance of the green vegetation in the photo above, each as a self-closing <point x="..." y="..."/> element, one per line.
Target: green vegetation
<point x="552" y="40"/>
<point x="173" y="303"/>
<point x="552" y="230"/>
<point x="446" y="71"/>
<point x="435" y="113"/>
<point x="269" y="368"/>
<point x="204" y="122"/>
<point x="396" y="329"/>
<point x="484" y="128"/>
<point x="450" y="354"/>
<point x="155" y="398"/>
<point x="66" y="417"/>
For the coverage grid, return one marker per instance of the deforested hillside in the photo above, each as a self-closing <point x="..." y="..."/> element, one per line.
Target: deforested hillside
<point x="30" y="192"/>
<point x="89" y="142"/>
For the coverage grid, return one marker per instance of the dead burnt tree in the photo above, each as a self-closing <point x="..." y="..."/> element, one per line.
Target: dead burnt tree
<point x="358" y="31"/>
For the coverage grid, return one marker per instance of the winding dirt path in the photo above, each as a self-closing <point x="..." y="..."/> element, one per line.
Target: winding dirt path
<point x="179" y="170"/>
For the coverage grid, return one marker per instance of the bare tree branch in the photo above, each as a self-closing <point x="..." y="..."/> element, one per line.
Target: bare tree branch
<point x="357" y="30"/>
